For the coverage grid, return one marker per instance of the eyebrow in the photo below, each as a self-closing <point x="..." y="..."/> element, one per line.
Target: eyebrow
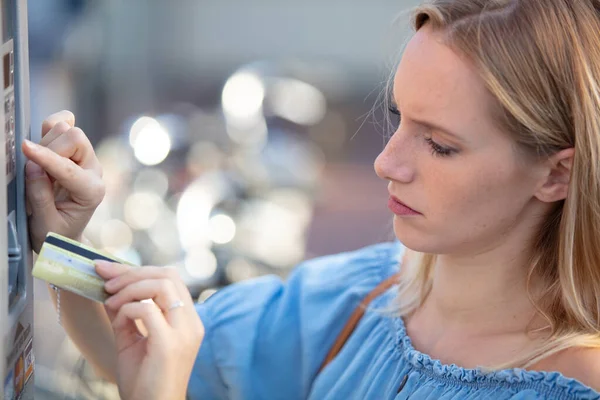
<point x="432" y="125"/>
<point x="440" y="128"/>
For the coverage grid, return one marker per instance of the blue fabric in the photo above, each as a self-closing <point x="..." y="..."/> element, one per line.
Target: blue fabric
<point x="266" y="339"/>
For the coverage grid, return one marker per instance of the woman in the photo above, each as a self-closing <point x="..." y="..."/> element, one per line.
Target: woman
<point x="494" y="182"/>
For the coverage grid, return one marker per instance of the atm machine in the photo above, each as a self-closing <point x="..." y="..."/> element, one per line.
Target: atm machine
<point x="16" y="282"/>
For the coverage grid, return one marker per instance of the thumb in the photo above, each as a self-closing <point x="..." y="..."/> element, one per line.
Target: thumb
<point x="39" y="192"/>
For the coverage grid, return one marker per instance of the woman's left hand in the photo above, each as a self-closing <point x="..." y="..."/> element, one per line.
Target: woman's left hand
<point x="158" y="364"/>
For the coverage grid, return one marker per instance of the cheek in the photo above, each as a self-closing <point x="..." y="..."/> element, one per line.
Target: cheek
<point x="477" y="194"/>
<point x="465" y="204"/>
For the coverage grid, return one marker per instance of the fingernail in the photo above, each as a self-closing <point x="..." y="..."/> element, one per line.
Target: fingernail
<point x="31" y="145"/>
<point x="32" y="170"/>
<point x="102" y="264"/>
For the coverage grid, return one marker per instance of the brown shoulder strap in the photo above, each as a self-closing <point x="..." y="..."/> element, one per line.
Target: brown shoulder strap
<point x="355" y="318"/>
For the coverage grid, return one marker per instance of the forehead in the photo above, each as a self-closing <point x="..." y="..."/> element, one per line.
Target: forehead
<point x="433" y="82"/>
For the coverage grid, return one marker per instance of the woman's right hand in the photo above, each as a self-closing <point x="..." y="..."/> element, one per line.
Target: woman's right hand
<point x="155" y="365"/>
<point x="63" y="180"/>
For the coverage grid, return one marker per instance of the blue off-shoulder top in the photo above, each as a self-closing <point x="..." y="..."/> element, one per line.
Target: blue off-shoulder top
<point x="266" y="339"/>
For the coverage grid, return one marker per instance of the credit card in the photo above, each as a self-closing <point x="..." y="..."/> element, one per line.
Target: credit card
<point x="69" y="265"/>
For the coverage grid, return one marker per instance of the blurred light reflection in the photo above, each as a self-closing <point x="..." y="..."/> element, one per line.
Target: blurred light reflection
<point x="204" y="156"/>
<point x="116" y="235"/>
<point x="243" y="96"/>
<point x="271" y="233"/>
<point x="152" y="180"/>
<point x="200" y="263"/>
<point x="297" y="101"/>
<point x="142" y="209"/>
<point x="236" y="198"/>
<point x="194" y="208"/>
<point x="150" y="141"/>
<point x="221" y="228"/>
<point x="240" y="269"/>
<point x="252" y="134"/>
<point x="165" y="236"/>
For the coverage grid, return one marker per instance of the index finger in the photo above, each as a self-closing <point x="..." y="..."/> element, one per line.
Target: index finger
<point x="108" y="270"/>
<point x="64" y="115"/>
<point x="142" y="273"/>
<point x="84" y="186"/>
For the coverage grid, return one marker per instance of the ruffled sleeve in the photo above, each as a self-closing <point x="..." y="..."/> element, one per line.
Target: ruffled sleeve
<point x="266" y="338"/>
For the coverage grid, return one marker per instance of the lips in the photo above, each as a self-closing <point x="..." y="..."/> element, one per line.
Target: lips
<point x="399" y="208"/>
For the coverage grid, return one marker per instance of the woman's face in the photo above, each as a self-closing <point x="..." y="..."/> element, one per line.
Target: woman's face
<point x="449" y="161"/>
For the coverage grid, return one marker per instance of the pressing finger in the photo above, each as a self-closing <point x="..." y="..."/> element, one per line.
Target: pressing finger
<point x="39" y="192"/>
<point x="83" y="186"/>
<point x="52" y="120"/>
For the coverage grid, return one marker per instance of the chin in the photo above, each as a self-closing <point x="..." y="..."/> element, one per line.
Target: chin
<point x="417" y="240"/>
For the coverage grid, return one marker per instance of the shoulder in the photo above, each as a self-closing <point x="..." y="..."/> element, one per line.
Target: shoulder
<point x="371" y="263"/>
<point x="584" y="365"/>
<point x="257" y="324"/>
<point x="581" y="364"/>
<point x="314" y="282"/>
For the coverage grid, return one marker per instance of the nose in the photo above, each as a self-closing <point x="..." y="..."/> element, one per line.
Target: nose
<point x="394" y="163"/>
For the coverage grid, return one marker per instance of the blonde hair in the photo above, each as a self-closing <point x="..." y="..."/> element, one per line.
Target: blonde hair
<point x="541" y="62"/>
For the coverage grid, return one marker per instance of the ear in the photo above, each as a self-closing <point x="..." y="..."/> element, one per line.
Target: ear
<point x="555" y="185"/>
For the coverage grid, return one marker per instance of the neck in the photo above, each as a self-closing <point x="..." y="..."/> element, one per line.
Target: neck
<point x="482" y="293"/>
<point x="478" y="311"/>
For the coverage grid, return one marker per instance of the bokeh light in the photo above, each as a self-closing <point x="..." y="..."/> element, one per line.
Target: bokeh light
<point x="297" y="101"/>
<point x="141" y="209"/>
<point x="116" y="236"/>
<point x="152" y="180"/>
<point x="150" y="141"/>
<point x="243" y="96"/>
<point x="221" y="228"/>
<point x="194" y="209"/>
<point x="200" y="263"/>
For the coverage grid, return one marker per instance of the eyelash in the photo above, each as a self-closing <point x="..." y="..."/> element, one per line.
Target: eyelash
<point x="394" y="110"/>
<point x="436" y="149"/>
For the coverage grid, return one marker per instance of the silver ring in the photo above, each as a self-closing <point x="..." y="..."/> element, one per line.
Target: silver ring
<point x="176" y="304"/>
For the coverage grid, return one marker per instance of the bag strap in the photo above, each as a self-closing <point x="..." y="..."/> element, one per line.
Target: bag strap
<point x="359" y="311"/>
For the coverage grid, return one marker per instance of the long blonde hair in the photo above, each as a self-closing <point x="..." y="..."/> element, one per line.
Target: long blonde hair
<point x="540" y="59"/>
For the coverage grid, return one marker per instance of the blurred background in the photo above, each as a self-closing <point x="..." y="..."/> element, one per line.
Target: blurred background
<point x="237" y="137"/>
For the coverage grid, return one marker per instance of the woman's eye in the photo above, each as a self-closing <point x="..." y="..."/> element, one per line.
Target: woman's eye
<point x="436" y="148"/>
<point x="439" y="150"/>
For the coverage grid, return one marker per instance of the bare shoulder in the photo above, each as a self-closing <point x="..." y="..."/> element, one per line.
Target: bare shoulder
<point x="582" y="364"/>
